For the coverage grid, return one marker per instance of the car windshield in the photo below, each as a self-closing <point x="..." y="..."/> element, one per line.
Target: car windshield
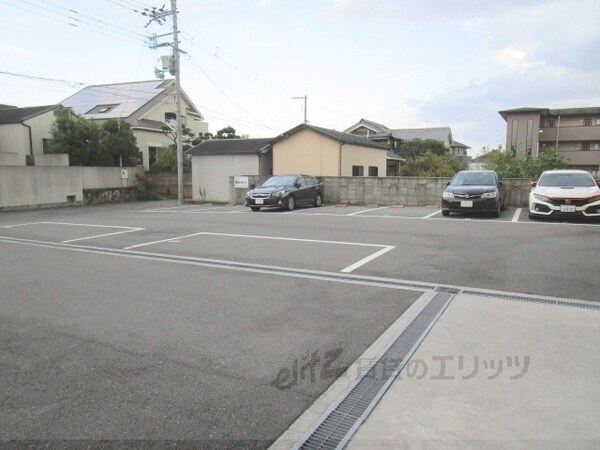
<point x="283" y="180"/>
<point x="566" y="180"/>
<point x="474" y="179"/>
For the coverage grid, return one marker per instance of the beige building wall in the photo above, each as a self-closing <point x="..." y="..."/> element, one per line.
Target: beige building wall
<point x="314" y="154"/>
<point x="353" y="155"/>
<point x="306" y="152"/>
<point x="521" y="142"/>
<point x="168" y="105"/>
<point x="40" y="130"/>
<point x="14" y="139"/>
<point x="146" y="139"/>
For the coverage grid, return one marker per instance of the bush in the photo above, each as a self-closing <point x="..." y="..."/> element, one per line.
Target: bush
<point x="431" y="165"/>
<point x="508" y="166"/>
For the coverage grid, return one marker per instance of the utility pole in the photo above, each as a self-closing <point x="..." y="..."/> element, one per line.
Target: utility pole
<point x="178" y="94"/>
<point x="305" y="98"/>
<point x="159" y="15"/>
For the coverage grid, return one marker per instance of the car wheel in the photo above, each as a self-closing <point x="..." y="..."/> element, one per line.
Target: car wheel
<point x="318" y="200"/>
<point x="503" y="207"/>
<point x="255" y="208"/>
<point x="445" y="212"/>
<point x="290" y="204"/>
<point x="496" y="212"/>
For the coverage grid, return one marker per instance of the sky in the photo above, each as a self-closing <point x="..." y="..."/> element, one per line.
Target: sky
<point x="401" y="63"/>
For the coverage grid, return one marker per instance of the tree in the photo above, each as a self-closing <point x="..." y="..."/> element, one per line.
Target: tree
<point x="78" y="137"/>
<point x="187" y="135"/>
<point x="119" y="142"/>
<point x="508" y="166"/>
<point x="418" y="147"/>
<point x="166" y="159"/>
<point x="202" y="137"/>
<point x="227" y="133"/>
<point x="89" y="144"/>
<point x="432" y="165"/>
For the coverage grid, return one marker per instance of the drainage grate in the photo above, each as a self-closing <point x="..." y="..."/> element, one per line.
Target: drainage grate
<point x="339" y="423"/>
<point x="532" y="299"/>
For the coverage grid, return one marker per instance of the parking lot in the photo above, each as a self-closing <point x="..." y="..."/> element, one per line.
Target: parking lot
<point x="155" y="322"/>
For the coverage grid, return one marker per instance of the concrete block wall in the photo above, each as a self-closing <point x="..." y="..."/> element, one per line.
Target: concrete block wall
<point x="166" y="183"/>
<point x="51" y="159"/>
<point x="385" y="191"/>
<point x="25" y="187"/>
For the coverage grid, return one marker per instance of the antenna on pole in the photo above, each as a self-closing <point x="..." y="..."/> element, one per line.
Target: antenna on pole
<point x="305" y="98"/>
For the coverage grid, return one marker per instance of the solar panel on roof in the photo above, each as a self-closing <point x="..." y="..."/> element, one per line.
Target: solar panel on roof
<point x="129" y="97"/>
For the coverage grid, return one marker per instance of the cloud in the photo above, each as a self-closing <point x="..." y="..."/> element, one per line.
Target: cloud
<point x="17" y="51"/>
<point x="473" y="108"/>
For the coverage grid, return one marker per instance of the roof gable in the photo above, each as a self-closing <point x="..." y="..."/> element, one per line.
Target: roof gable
<point x="231" y="147"/>
<point x="19" y="115"/>
<point x="339" y="136"/>
<point x="369" y="125"/>
<point x="443" y="134"/>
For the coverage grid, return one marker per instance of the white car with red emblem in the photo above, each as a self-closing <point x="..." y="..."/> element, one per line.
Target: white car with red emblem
<point x="565" y="193"/>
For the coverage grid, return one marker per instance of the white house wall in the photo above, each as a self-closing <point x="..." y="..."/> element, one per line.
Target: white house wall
<point x="211" y="173"/>
<point x="40" y="130"/>
<point x="14" y="138"/>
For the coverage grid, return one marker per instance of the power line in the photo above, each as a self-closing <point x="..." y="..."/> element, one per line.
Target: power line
<point x="71" y="21"/>
<point x="227" y="96"/>
<point x="32" y="77"/>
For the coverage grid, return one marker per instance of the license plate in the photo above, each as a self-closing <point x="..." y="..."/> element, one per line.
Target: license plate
<point x="259" y="201"/>
<point x="466" y="203"/>
<point x="567" y="208"/>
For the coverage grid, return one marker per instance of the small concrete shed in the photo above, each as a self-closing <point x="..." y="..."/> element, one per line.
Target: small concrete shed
<point x="215" y="160"/>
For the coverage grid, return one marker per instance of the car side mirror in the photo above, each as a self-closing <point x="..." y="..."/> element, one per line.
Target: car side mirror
<point x="297" y="184"/>
<point x="533" y="184"/>
<point x="598" y="183"/>
<point x="252" y="186"/>
<point x="448" y="183"/>
<point x="500" y="183"/>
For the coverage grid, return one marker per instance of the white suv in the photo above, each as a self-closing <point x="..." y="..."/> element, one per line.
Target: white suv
<point x="565" y="193"/>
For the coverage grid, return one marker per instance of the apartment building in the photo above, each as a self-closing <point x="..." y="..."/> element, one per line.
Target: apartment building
<point x="574" y="132"/>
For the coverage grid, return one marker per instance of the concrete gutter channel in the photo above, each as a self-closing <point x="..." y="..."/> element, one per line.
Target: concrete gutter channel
<point x="336" y="416"/>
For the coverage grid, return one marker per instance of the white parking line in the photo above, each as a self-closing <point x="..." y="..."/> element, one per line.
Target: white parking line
<point x="432" y="214"/>
<point x="367" y="259"/>
<point x="162" y="240"/>
<point x="350" y="268"/>
<point x="103" y="235"/>
<point x="517" y="215"/>
<point x="366" y="210"/>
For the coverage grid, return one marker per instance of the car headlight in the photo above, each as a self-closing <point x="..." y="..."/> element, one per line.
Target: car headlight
<point x="541" y="198"/>
<point x="593" y="199"/>
<point x="493" y="194"/>
<point x="278" y="193"/>
<point x="447" y="195"/>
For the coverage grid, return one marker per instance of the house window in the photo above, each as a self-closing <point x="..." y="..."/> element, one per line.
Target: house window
<point x="513" y="140"/>
<point x="373" y="171"/>
<point x="529" y="135"/>
<point x="170" y="117"/>
<point x="550" y="123"/>
<point x="597" y="122"/>
<point x="102" y="109"/>
<point x="45" y="145"/>
<point x="358" y="171"/>
<point x="587" y="122"/>
<point x="140" y="158"/>
<point x="152" y="153"/>
<point x="585" y="147"/>
<point x="596" y="146"/>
